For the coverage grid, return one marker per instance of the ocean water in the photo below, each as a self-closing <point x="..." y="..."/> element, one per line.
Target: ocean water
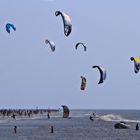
<point x="77" y="127"/>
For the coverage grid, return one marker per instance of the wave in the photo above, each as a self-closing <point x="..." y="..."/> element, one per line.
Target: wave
<point x="115" y="118"/>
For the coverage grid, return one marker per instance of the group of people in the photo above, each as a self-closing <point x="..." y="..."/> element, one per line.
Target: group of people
<point x="25" y="112"/>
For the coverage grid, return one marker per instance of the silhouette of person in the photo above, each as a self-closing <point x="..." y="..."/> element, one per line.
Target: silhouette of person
<point x="13" y="116"/>
<point x="91" y="118"/>
<point x="48" y="115"/>
<point x="137" y="126"/>
<point x="15" y="129"/>
<point x="51" y="129"/>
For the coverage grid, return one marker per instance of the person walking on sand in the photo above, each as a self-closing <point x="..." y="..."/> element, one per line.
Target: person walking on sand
<point x="137" y="126"/>
<point x="15" y="129"/>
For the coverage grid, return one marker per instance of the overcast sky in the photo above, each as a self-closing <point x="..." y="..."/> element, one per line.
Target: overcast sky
<point x="32" y="75"/>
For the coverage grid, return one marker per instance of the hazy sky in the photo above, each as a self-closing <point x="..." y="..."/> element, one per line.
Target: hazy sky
<point x="31" y="75"/>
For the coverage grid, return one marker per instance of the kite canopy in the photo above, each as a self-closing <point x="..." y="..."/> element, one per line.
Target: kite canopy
<point x="66" y="111"/>
<point x="83" y="83"/>
<point x="66" y="21"/>
<point x="9" y="26"/>
<point x="80" y="44"/>
<point x="136" y="64"/>
<point x="102" y="73"/>
<point x="51" y="43"/>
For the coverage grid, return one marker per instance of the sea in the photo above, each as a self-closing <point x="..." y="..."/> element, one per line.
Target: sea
<point x="77" y="127"/>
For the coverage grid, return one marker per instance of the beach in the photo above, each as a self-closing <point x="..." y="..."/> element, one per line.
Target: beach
<point x="78" y="127"/>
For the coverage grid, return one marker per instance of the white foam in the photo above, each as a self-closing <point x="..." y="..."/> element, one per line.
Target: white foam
<point x="115" y="118"/>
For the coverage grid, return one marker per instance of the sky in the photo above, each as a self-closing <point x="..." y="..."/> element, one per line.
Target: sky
<point x="31" y="75"/>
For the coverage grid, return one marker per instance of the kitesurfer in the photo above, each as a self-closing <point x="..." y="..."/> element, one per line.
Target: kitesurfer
<point x="91" y="118"/>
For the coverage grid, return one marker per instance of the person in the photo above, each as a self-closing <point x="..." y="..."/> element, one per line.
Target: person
<point x="137" y="126"/>
<point x="51" y="129"/>
<point x="48" y="115"/>
<point x="91" y="118"/>
<point x="14" y="116"/>
<point x="15" y="129"/>
<point x="29" y="114"/>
